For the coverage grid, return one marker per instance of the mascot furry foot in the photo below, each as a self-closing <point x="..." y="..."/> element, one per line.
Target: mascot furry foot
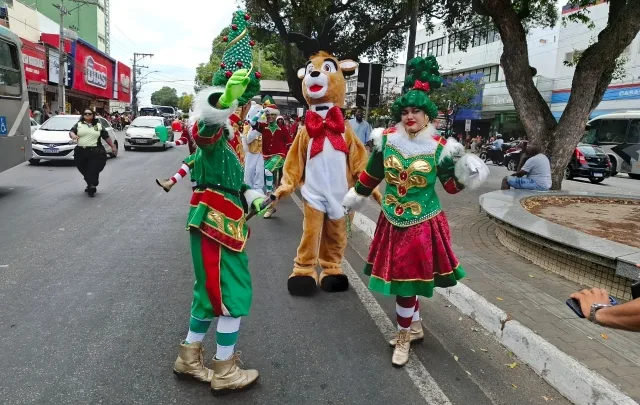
<point x="303" y="282"/>
<point x="333" y="280"/>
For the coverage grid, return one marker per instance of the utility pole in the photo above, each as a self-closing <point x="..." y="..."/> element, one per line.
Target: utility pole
<point x="134" y="101"/>
<point x="63" y="55"/>
<point x="413" y="29"/>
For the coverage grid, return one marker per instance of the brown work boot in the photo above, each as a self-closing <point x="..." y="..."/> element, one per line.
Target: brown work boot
<point x="190" y="362"/>
<point x="166" y="184"/>
<point x="416" y="333"/>
<point x="228" y="376"/>
<point x="401" y="352"/>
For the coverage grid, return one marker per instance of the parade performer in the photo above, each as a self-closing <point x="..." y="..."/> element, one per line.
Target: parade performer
<point x="411" y="250"/>
<point x="218" y="233"/>
<point x="254" y="162"/>
<point x="185" y="139"/>
<point x="274" y="145"/>
<point x="327" y="157"/>
<point x="236" y="56"/>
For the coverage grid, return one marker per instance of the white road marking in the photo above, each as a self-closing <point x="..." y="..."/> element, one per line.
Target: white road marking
<point x="421" y="378"/>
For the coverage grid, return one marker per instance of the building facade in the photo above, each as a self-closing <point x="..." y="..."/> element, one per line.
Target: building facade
<point x="91" y="22"/>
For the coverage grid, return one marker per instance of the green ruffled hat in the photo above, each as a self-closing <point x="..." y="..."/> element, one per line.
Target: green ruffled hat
<point x="422" y="79"/>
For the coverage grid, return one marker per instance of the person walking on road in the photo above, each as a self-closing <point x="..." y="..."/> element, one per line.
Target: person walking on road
<point x="362" y="128"/>
<point x="90" y="156"/>
<point x="411" y="251"/>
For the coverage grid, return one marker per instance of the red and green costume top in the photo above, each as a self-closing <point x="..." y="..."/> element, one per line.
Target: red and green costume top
<point x="410" y="169"/>
<point x="217" y="208"/>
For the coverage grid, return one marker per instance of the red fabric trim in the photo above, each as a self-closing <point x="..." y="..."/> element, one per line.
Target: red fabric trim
<point x="234" y="118"/>
<point x="368" y="180"/>
<point x="218" y="201"/>
<point x="211" y="257"/>
<point x="224" y="239"/>
<point x="450" y="186"/>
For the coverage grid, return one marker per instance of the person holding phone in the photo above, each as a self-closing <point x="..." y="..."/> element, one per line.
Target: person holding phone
<point x="90" y="156"/>
<point x="597" y="308"/>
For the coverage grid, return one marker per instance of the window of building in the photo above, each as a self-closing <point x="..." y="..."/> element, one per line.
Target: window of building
<point x="10" y="77"/>
<point x="436" y="47"/>
<point x="475" y="37"/>
<point x="490" y="73"/>
<point x="420" y="50"/>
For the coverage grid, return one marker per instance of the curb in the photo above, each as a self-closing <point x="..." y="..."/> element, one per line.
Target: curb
<point x="569" y="377"/>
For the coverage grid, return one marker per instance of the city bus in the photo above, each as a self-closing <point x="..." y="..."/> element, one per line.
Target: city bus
<point x="618" y="134"/>
<point x="166" y="111"/>
<point x="15" y="123"/>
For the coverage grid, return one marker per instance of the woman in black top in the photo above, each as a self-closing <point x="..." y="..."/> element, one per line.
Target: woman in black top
<point x="90" y="156"/>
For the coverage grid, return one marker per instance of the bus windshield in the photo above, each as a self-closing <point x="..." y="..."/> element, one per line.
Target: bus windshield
<point x="166" y="110"/>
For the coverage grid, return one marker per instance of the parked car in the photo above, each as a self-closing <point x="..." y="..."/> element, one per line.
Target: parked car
<point x="34" y="126"/>
<point x="512" y="157"/>
<point x="588" y="161"/>
<point x="51" y="141"/>
<point x="142" y="133"/>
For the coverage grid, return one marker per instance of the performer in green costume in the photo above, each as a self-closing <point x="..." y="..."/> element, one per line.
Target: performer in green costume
<point x="218" y="233"/>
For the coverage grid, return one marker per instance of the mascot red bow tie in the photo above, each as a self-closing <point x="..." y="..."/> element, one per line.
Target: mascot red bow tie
<point x="331" y="128"/>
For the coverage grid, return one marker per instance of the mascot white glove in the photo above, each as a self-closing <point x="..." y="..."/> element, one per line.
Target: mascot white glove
<point x="471" y="171"/>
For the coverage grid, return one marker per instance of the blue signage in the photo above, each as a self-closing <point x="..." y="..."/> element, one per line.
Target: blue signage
<point x="4" y="130"/>
<point x="627" y="92"/>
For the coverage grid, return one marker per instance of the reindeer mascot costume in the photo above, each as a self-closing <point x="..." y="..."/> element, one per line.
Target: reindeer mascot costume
<point x="327" y="157"/>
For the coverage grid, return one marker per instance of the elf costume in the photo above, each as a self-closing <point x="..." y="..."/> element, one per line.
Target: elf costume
<point x="411" y="250"/>
<point x="254" y="162"/>
<point x="237" y="55"/>
<point x="274" y="145"/>
<point x="218" y="232"/>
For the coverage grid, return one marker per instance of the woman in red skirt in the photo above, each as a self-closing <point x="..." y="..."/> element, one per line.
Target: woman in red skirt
<point x="411" y="250"/>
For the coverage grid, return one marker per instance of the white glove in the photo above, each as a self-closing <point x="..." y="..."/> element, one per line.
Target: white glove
<point x="471" y="171"/>
<point x="353" y="201"/>
<point x="171" y="143"/>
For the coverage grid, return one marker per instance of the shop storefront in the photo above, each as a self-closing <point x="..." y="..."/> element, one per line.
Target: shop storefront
<point x="34" y="60"/>
<point x="621" y="97"/>
<point x="94" y="76"/>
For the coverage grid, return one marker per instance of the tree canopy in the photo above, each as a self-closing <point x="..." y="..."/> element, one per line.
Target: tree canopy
<point x="165" y="96"/>
<point x="185" y="101"/>
<point x="455" y="94"/>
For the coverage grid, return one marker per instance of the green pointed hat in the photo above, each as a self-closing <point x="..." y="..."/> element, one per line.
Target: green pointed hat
<point x="423" y="78"/>
<point x="270" y="105"/>
<point x="238" y="55"/>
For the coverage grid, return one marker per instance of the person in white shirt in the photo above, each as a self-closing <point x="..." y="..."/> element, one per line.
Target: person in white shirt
<point x="534" y="175"/>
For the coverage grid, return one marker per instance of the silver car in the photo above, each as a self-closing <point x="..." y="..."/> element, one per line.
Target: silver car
<point x="142" y="133"/>
<point x="51" y="141"/>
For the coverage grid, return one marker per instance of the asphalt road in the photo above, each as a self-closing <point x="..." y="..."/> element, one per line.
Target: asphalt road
<point x="95" y="296"/>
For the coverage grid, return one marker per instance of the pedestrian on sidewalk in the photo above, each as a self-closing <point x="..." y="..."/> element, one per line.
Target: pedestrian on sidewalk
<point x="90" y="156"/>
<point x="411" y="251"/>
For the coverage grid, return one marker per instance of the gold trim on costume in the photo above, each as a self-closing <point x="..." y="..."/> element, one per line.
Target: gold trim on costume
<point x="405" y="179"/>
<point x="413" y="206"/>
<point x="237" y="39"/>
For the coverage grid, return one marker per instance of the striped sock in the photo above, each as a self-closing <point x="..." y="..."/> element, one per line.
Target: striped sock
<point x="405" y="308"/>
<point x="416" y="313"/>
<point x="197" y="329"/>
<point x="226" y="337"/>
<point x="184" y="170"/>
<point x="268" y="179"/>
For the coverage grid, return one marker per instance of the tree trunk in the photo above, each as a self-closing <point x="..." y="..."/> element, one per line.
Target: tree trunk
<point x="413" y="29"/>
<point x="591" y="79"/>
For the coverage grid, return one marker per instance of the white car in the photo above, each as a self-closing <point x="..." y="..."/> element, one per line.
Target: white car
<point x="34" y="126"/>
<point x="142" y="133"/>
<point x="51" y="141"/>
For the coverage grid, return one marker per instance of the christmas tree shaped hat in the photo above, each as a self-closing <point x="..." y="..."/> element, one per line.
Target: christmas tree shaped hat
<point x="422" y="79"/>
<point x="238" y="55"/>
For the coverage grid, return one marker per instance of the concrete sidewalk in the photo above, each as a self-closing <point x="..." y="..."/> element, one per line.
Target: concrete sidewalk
<point x="510" y="288"/>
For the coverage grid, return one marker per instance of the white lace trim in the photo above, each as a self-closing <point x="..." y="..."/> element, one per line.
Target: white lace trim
<point x="422" y="144"/>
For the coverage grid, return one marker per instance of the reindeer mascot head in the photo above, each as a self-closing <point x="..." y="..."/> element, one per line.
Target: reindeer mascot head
<point x="325" y="159"/>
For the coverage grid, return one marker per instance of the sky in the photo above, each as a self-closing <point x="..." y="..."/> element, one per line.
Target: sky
<point x="179" y="36"/>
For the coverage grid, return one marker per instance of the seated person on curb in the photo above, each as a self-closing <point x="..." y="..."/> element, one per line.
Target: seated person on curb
<point x="596" y="307"/>
<point x="534" y="175"/>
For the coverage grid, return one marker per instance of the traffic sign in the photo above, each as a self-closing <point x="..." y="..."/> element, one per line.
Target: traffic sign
<point x="4" y="130"/>
<point x="467" y="125"/>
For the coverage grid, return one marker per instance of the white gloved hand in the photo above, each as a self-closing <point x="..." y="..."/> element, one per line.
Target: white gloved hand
<point x="352" y="201"/>
<point x="471" y="171"/>
<point x="171" y="143"/>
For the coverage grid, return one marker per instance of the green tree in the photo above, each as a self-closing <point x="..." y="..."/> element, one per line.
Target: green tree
<point x="455" y="94"/>
<point x="595" y="67"/>
<point x="372" y="28"/>
<point x="165" y="96"/>
<point x="185" y="101"/>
